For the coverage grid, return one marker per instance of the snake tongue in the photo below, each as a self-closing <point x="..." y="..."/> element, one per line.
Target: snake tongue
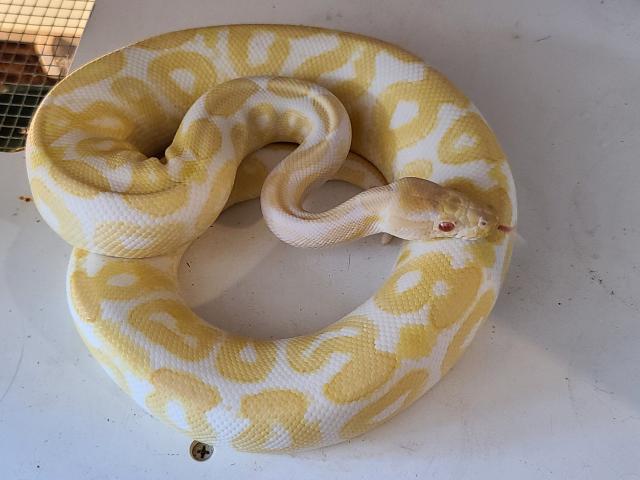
<point x="505" y="228"/>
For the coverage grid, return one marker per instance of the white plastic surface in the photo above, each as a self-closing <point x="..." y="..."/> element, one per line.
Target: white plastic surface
<point x="550" y="388"/>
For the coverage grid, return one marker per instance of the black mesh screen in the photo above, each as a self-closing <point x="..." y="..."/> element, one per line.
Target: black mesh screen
<point x="38" y="39"/>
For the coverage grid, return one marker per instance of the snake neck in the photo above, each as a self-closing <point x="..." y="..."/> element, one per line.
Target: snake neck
<point x="360" y="216"/>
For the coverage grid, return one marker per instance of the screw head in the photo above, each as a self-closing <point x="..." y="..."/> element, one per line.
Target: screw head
<point x="200" y="452"/>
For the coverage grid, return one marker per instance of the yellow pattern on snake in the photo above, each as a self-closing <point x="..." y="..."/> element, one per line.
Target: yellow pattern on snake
<point x="134" y="155"/>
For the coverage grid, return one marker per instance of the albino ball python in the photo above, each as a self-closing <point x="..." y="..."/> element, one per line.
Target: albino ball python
<point x="134" y="155"/>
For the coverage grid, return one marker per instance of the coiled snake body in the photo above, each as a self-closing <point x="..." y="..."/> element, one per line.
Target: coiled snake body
<point x="135" y="154"/>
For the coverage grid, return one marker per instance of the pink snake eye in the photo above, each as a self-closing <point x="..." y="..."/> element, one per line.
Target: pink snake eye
<point x="446" y="226"/>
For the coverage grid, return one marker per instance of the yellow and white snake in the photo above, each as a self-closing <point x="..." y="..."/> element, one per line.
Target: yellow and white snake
<point x="134" y="155"/>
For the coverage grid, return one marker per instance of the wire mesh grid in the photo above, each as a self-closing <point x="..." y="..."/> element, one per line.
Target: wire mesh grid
<point x="38" y="39"/>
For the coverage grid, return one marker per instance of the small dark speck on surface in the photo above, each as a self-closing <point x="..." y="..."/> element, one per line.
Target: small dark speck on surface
<point x="515" y="36"/>
<point x="542" y="39"/>
<point x="24" y="198"/>
<point x="595" y="276"/>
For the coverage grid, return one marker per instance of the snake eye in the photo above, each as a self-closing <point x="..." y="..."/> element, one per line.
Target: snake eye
<point x="446" y="226"/>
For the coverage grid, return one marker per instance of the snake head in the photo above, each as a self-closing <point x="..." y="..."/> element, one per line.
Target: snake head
<point x="424" y="210"/>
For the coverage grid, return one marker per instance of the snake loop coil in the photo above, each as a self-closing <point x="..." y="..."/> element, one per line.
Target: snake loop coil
<point x="134" y="155"/>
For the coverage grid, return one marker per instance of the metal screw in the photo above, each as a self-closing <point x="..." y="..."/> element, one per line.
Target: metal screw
<point x="200" y="451"/>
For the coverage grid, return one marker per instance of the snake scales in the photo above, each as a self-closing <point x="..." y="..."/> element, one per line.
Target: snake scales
<point x="134" y="155"/>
